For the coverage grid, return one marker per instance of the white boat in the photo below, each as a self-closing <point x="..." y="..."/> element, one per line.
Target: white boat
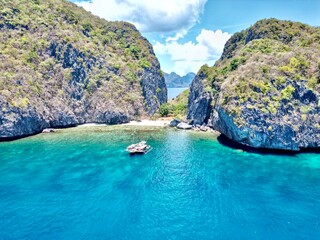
<point x="139" y="148"/>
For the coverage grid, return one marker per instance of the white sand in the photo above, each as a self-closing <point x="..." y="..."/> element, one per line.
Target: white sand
<point x="156" y="123"/>
<point x="91" y="125"/>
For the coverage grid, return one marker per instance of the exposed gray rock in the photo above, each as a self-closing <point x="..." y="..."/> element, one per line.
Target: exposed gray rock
<point x="15" y="122"/>
<point x="111" y="117"/>
<point x="48" y="130"/>
<point x="199" y="102"/>
<point x="282" y="130"/>
<point x="174" y="123"/>
<point x="184" y="126"/>
<point x="204" y="128"/>
<point x="154" y="88"/>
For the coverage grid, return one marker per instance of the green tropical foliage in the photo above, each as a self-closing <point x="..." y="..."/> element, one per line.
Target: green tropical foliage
<point x="258" y="61"/>
<point x="50" y="48"/>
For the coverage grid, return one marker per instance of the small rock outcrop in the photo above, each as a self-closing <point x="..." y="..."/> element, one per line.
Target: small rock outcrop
<point x="184" y="126"/>
<point x="48" y="130"/>
<point x="174" y="123"/>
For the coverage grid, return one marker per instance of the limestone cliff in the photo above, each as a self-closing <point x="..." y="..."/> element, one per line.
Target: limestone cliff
<point x="62" y="66"/>
<point x="199" y="102"/>
<point x="265" y="89"/>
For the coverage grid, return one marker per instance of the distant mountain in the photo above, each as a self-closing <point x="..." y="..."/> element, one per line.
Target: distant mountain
<point x="174" y="80"/>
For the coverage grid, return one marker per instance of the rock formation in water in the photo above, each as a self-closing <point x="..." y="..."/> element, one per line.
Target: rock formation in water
<point x="174" y="80"/>
<point x="264" y="91"/>
<point x="62" y="66"/>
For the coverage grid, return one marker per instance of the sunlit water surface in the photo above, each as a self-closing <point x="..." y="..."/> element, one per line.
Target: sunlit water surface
<point x="80" y="184"/>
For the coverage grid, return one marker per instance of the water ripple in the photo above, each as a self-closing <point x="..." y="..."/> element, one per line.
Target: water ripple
<point x="81" y="184"/>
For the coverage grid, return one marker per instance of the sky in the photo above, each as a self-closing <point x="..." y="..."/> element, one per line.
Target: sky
<point x="187" y="34"/>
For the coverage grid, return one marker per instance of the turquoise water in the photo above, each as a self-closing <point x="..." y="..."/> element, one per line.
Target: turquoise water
<point x="80" y="184"/>
<point x="174" y="92"/>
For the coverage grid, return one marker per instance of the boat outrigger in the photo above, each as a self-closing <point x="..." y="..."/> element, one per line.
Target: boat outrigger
<point x="139" y="148"/>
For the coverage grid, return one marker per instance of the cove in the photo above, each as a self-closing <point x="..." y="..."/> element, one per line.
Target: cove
<point x="79" y="183"/>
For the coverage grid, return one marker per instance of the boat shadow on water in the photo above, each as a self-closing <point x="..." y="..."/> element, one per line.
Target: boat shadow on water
<point x="225" y="141"/>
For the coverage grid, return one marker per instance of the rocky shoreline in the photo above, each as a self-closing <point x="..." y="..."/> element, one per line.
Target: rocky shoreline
<point x="176" y="123"/>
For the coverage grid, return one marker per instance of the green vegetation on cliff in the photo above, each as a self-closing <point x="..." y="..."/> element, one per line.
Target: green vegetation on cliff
<point x="56" y="57"/>
<point x="265" y="89"/>
<point x="176" y="107"/>
<point x="257" y="62"/>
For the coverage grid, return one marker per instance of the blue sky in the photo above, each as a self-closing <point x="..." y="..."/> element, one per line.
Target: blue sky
<point x="186" y="34"/>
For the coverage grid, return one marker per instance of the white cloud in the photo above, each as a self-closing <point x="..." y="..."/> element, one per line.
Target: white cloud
<point x="190" y="56"/>
<point x="179" y="35"/>
<point x="172" y="18"/>
<point x="165" y="16"/>
<point x="214" y="41"/>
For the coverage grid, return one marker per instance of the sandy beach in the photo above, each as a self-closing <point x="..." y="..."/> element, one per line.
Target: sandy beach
<point x="146" y="122"/>
<point x="150" y="123"/>
<point x="91" y="125"/>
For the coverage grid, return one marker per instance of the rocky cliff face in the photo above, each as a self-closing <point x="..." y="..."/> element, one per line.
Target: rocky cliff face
<point x="154" y="89"/>
<point x="265" y="89"/>
<point x="287" y="128"/>
<point x="199" y="101"/>
<point x="61" y="66"/>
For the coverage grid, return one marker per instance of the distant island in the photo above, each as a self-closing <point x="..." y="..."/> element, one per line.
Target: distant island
<point x="174" y="80"/>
